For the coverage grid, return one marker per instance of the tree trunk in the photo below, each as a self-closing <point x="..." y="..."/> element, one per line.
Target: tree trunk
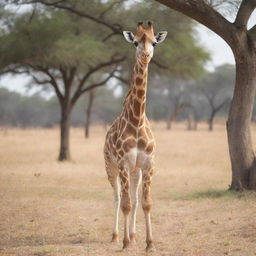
<point x="169" y="122"/>
<point x="239" y="120"/>
<point x="64" y="133"/>
<point x="173" y="116"/>
<point x="88" y="114"/>
<point x="210" y="121"/>
<point x="190" y="122"/>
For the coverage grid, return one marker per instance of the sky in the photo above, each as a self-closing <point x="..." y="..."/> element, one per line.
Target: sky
<point x="219" y="50"/>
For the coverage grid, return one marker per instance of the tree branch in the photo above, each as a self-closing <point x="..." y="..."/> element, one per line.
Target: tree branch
<point x="98" y="84"/>
<point x="52" y="81"/>
<point x="203" y="13"/>
<point x="222" y="104"/>
<point x="41" y="82"/>
<point x="122" y="80"/>
<point x="159" y="64"/>
<point x="252" y="34"/>
<point x="60" y="5"/>
<point x="92" y="70"/>
<point x="92" y="86"/>
<point x="244" y="13"/>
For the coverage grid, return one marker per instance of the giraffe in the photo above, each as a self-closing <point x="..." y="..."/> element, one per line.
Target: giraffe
<point x="130" y="145"/>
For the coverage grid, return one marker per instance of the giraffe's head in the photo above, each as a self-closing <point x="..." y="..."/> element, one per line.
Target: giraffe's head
<point x="145" y="41"/>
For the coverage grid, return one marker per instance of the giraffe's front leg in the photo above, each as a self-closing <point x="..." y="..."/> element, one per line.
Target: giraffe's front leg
<point x="116" y="186"/>
<point x="146" y="205"/>
<point x="135" y="178"/>
<point x="125" y="203"/>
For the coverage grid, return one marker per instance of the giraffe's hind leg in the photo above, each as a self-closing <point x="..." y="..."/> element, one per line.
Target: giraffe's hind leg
<point x="112" y="172"/>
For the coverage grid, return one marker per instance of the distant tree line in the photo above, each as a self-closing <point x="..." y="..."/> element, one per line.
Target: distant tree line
<point x="169" y="100"/>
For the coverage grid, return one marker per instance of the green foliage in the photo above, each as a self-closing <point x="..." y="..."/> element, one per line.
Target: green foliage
<point x="53" y="40"/>
<point x="57" y="38"/>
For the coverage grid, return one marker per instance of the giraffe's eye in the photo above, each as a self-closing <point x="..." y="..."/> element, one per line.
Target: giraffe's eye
<point x="154" y="44"/>
<point x="136" y="44"/>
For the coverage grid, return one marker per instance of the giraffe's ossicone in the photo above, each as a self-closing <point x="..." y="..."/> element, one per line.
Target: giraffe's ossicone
<point x="130" y="145"/>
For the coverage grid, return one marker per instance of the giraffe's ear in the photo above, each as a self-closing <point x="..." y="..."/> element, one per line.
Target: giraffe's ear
<point x="129" y="36"/>
<point x="160" y="36"/>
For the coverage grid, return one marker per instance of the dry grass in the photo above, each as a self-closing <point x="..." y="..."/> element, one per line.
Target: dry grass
<point x="67" y="210"/>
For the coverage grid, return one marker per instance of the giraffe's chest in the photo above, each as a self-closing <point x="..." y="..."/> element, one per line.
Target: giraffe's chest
<point x="135" y="146"/>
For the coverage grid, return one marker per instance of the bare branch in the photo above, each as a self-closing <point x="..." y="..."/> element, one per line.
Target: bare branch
<point x="109" y="8"/>
<point x="52" y="80"/>
<point x="244" y="13"/>
<point x="89" y="87"/>
<point x="252" y="34"/>
<point x="41" y="82"/>
<point x="205" y="14"/>
<point x="98" y="84"/>
<point x="91" y="71"/>
<point x="61" y="5"/>
<point x="123" y="80"/>
<point x="222" y="104"/>
<point x="159" y="64"/>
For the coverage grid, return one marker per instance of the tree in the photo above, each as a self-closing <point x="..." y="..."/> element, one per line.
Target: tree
<point x="56" y="50"/>
<point x="176" y="102"/>
<point x="216" y="88"/>
<point x="108" y="16"/>
<point x="243" y="44"/>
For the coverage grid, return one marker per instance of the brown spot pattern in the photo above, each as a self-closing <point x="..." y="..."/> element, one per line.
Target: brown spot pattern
<point x="134" y="120"/>
<point x="118" y="144"/>
<point x="150" y="148"/>
<point x="129" y="144"/>
<point x="136" y="107"/>
<point x="142" y="144"/>
<point x="130" y="130"/>
<point x="142" y="133"/>
<point x="138" y="81"/>
<point x="140" y="93"/>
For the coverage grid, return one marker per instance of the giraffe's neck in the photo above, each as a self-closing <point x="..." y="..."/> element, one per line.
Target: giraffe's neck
<point x="134" y="105"/>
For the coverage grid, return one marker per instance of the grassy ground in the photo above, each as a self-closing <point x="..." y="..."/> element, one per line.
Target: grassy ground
<point x="50" y="208"/>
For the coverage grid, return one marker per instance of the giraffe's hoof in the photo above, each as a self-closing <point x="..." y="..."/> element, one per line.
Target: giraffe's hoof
<point x="126" y="244"/>
<point x="133" y="238"/>
<point x="115" y="238"/>
<point x="150" y="247"/>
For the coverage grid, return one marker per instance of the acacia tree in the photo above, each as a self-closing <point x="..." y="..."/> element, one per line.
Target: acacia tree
<point x="176" y="100"/>
<point x="214" y="107"/>
<point x="216" y="87"/>
<point x="56" y="50"/>
<point x="242" y="41"/>
<point x="181" y="50"/>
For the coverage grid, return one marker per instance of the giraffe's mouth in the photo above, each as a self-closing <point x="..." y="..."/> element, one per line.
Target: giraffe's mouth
<point x="145" y="60"/>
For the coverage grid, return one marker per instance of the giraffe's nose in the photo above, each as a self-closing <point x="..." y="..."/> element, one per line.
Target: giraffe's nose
<point x="145" y="55"/>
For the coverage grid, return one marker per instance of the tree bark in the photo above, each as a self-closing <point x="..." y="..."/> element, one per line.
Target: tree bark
<point x="88" y="113"/>
<point x="239" y="121"/>
<point x="64" y="153"/>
